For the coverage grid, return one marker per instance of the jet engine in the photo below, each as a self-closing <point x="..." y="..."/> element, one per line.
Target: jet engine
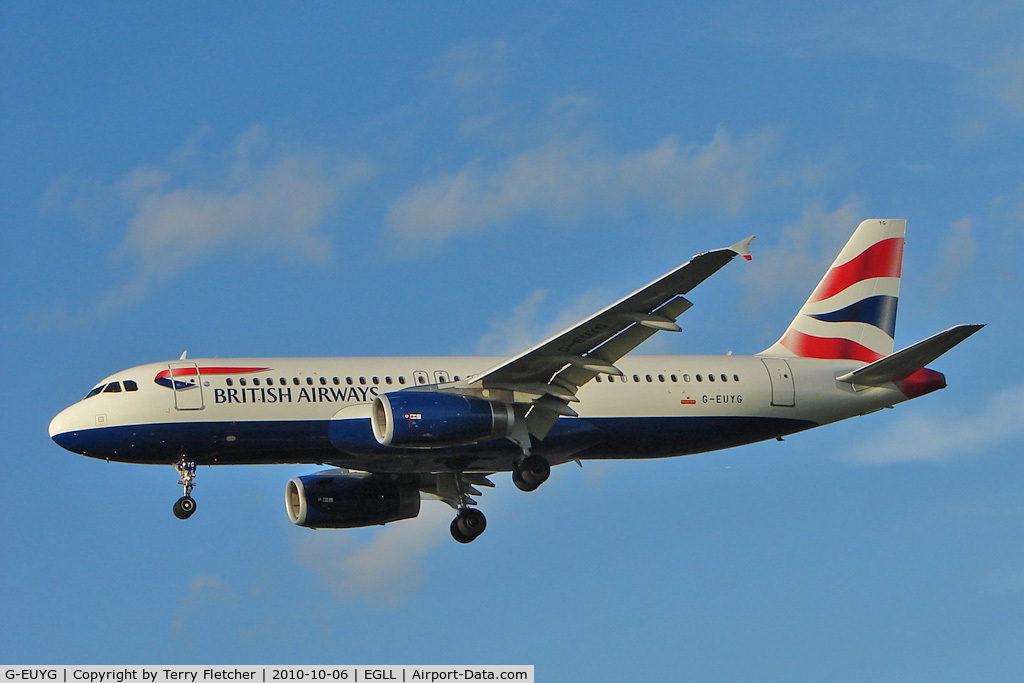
<point x="431" y="419"/>
<point x="341" y="501"/>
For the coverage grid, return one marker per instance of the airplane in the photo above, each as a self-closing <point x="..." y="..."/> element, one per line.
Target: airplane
<point x="398" y="430"/>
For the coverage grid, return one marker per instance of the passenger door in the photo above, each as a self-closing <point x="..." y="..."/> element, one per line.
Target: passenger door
<point x="188" y="390"/>
<point x="781" y="376"/>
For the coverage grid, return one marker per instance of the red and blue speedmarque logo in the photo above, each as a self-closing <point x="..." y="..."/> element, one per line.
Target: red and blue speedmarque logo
<point x="184" y="378"/>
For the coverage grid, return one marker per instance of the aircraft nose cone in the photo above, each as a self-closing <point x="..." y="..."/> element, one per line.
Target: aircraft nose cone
<point x="64" y="425"/>
<point x="57" y="424"/>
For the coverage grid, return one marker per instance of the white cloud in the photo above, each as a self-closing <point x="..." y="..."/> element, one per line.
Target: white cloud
<point x="516" y="333"/>
<point x="1008" y="210"/>
<point x="262" y="202"/>
<point x="959" y="250"/>
<point x="939" y="436"/>
<point x="264" y="199"/>
<point x="979" y="42"/>
<point x="385" y="569"/>
<point x="564" y="180"/>
<point x="529" y="324"/>
<point x="1003" y="77"/>
<point x="203" y="591"/>
<point x="474" y="67"/>
<point x="786" y="272"/>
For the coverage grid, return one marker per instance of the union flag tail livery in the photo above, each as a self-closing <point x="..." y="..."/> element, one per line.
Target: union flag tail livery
<point x="398" y="430"/>
<point x="852" y="312"/>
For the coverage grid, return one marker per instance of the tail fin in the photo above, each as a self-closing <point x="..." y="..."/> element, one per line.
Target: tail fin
<point x="852" y="312"/>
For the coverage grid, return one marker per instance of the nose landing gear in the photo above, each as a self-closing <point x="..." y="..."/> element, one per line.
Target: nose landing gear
<point x="186" y="505"/>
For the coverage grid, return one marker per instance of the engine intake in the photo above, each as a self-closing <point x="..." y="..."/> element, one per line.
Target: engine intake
<point x="329" y="500"/>
<point x="431" y="419"/>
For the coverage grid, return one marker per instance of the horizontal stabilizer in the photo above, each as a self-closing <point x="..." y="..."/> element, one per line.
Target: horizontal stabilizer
<point x="903" y="364"/>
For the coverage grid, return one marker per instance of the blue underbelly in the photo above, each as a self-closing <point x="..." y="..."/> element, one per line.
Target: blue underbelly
<point x="350" y="443"/>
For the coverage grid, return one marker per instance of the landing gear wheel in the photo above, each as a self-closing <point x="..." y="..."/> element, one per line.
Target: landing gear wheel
<point x="457" y="534"/>
<point x="520" y="483"/>
<point x="531" y="473"/>
<point x="469" y="524"/>
<point x="184" y="508"/>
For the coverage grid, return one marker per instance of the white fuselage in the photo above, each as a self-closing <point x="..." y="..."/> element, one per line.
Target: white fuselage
<point x="316" y="410"/>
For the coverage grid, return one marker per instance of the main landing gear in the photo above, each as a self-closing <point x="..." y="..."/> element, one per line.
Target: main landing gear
<point x="530" y="472"/>
<point x="468" y="524"/>
<point x="186" y="505"/>
<point x="455" y="488"/>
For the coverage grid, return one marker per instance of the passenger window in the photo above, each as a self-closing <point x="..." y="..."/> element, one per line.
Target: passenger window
<point x="270" y="381"/>
<point x="724" y="378"/>
<point x="674" y="378"/>
<point x="284" y="382"/>
<point x="295" y="381"/>
<point x="598" y="379"/>
<point x="700" y="378"/>
<point x="401" y="379"/>
<point x="336" y="380"/>
<point x="241" y="381"/>
<point x="348" y="380"/>
<point x="649" y="378"/>
<point x="113" y="388"/>
<point x="711" y="378"/>
<point x="230" y="382"/>
<point x="456" y="378"/>
<point x="636" y="378"/>
<point x="736" y="378"/>
<point x="323" y="380"/>
<point x="661" y="378"/>
<point x="130" y="385"/>
<point x="611" y="378"/>
<point x="387" y="380"/>
<point x="309" y="381"/>
<point x="686" y="378"/>
<point x="255" y="381"/>
<point x="95" y="391"/>
<point x="362" y="380"/>
<point x="376" y="380"/>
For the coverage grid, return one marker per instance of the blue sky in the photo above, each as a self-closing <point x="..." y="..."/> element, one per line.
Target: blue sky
<point x="275" y="179"/>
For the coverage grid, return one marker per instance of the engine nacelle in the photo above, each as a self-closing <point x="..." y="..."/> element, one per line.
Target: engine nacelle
<point x="432" y="419"/>
<point x="341" y="501"/>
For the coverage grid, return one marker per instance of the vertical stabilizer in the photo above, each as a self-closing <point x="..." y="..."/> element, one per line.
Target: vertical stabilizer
<point x="852" y="312"/>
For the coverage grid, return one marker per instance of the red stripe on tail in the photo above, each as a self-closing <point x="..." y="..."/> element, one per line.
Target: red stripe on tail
<point x="882" y="259"/>
<point x="807" y="346"/>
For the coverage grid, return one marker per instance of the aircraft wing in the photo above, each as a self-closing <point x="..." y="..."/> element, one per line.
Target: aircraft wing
<point x="554" y="370"/>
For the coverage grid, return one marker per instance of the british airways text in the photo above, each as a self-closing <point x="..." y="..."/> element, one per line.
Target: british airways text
<point x="288" y="395"/>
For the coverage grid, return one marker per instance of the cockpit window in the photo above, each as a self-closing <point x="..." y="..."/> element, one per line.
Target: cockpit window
<point x="114" y="388"/>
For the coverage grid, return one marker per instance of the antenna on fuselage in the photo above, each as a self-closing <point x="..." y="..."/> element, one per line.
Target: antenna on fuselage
<point x="183" y="354"/>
